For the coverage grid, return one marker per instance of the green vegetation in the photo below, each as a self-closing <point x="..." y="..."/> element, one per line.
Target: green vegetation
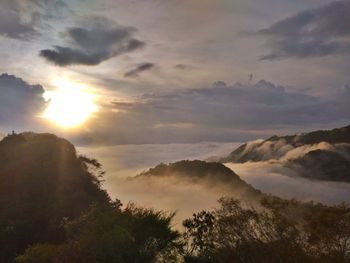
<point x="279" y="231"/>
<point x="110" y="234"/>
<point x="49" y="195"/>
<point x="53" y="210"/>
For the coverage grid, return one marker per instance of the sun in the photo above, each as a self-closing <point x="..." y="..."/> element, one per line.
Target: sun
<point x="70" y="105"/>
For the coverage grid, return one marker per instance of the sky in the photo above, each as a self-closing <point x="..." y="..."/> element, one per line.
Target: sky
<point x="115" y="72"/>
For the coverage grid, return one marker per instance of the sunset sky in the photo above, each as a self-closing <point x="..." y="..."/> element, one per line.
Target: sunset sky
<point x="166" y="71"/>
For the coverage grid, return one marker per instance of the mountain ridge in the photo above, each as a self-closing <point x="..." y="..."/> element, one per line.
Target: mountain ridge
<point x="321" y="155"/>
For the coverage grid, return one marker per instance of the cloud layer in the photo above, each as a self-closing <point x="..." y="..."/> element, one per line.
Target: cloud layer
<point x="274" y="178"/>
<point x="101" y="40"/>
<point x="170" y="194"/>
<point x="177" y="194"/>
<point x="218" y="113"/>
<point x="313" y="33"/>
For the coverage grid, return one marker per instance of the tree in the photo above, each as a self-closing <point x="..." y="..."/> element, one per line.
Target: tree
<point x="278" y="231"/>
<point x="43" y="183"/>
<point x="110" y="234"/>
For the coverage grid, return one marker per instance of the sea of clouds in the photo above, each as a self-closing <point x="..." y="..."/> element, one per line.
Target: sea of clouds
<point x="124" y="161"/>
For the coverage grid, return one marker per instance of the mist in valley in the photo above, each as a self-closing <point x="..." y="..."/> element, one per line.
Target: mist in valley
<point x="186" y="197"/>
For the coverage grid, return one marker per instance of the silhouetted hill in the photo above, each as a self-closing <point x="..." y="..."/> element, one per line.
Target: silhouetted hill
<point x="210" y="174"/>
<point x="323" y="155"/>
<point x="42" y="183"/>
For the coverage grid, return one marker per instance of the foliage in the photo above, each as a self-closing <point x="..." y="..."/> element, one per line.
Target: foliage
<point x="234" y="233"/>
<point x="43" y="183"/>
<point x="52" y="209"/>
<point x="109" y="234"/>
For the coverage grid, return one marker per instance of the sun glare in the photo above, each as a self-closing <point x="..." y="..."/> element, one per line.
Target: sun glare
<point x="70" y="105"/>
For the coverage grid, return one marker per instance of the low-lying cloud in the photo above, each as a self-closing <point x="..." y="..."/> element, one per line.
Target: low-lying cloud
<point x="176" y="194"/>
<point x="274" y="178"/>
<point x="281" y="150"/>
<point x="170" y="194"/>
<point x="100" y="40"/>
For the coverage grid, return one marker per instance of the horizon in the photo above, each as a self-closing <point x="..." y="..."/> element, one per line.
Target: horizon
<point x="150" y="131"/>
<point x="149" y="72"/>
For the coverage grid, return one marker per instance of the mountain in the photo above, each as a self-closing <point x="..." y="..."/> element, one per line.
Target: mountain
<point x="321" y="155"/>
<point x="276" y="147"/>
<point x="53" y="209"/>
<point x="43" y="182"/>
<point x="209" y="174"/>
<point x="322" y="165"/>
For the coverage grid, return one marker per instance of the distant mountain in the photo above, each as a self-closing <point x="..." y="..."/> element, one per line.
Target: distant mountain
<point x="277" y="146"/>
<point x="210" y="174"/>
<point x="323" y="155"/>
<point x="322" y="165"/>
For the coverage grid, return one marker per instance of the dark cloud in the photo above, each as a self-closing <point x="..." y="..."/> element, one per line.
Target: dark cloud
<point x="92" y="45"/>
<point x="140" y="68"/>
<point x="20" y="102"/>
<point x="63" y="56"/>
<point x="313" y="33"/>
<point x="221" y="112"/>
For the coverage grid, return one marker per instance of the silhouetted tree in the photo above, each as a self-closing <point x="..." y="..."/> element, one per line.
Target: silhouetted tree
<point x="43" y="183"/>
<point x="110" y="234"/>
<point x="234" y="233"/>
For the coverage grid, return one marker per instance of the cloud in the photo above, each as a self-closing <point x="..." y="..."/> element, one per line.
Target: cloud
<point x="99" y="41"/>
<point x="22" y="19"/>
<point x="312" y="33"/>
<point x="20" y="102"/>
<point x="281" y="150"/>
<point x="274" y="178"/>
<point x="12" y="23"/>
<point x="123" y="161"/>
<point x="218" y="113"/>
<point x="140" y="68"/>
<point x="172" y="193"/>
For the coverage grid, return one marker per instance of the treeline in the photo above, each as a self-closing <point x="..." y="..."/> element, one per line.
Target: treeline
<point x="278" y="231"/>
<point x="53" y="210"/>
<point x="110" y="234"/>
<point x="231" y="233"/>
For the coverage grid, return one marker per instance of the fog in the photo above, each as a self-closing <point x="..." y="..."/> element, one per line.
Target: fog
<point x="122" y="161"/>
<point x="169" y="194"/>
<point x="185" y="197"/>
<point x="283" y="151"/>
<point x="273" y="178"/>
